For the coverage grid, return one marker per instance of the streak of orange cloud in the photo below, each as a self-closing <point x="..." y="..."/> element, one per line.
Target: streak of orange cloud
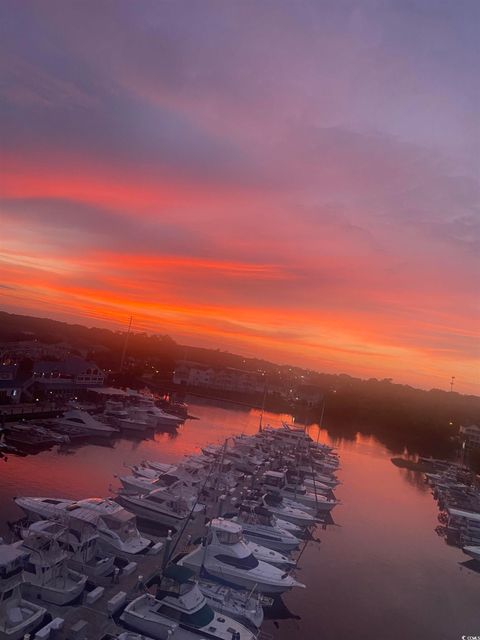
<point x="110" y="187"/>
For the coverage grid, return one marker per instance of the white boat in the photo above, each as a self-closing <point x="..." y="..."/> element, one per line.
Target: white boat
<point x="141" y="484"/>
<point x="46" y="574"/>
<point x="225" y="556"/>
<point x="242" y="462"/>
<point x="116" y="527"/>
<point x="80" y="541"/>
<point x="154" y="415"/>
<point x="189" y="472"/>
<point x="276" y="481"/>
<point x="119" y="416"/>
<point x="76" y="419"/>
<point x="114" y="411"/>
<point x="244" y="606"/>
<point x="17" y="615"/>
<point x="180" y="612"/>
<point x="261" y="526"/>
<point x="146" y="471"/>
<point x="284" y="509"/>
<point x="162" y="506"/>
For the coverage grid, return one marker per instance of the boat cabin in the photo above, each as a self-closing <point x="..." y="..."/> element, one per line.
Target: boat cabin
<point x="274" y="480"/>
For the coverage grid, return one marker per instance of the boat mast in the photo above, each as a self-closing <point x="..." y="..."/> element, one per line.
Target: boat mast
<point x="124" y="351"/>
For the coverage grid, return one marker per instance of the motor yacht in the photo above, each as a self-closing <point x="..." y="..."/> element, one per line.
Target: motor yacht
<point x="242" y="605"/>
<point x="116" y="414"/>
<point x="155" y="416"/>
<point x="180" y="611"/>
<point x="116" y="527"/>
<point x="33" y="435"/>
<point x="80" y="541"/>
<point x="276" y="481"/>
<point x="77" y="418"/>
<point x="17" y="615"/>
<point x="310" y="478"/>
<point x="225" y="556"/>
<point x="283" y="509"/>
<point x="243" y="463"/>
<point x="46" y="574"/>
<point x="189" y="472"/>
<point x="162" y="506"/>
<point x="261" y="526"/>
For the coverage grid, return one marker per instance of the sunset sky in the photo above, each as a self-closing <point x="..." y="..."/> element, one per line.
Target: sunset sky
<point x="293" y="180"/>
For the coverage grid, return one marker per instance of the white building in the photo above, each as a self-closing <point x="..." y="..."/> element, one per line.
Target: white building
<point x="471" y="436"/>
<point x="194" y="374"/>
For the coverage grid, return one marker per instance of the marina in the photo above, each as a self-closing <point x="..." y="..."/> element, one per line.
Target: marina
<point x="199" y="548"/>
<point x="343" y="554"/>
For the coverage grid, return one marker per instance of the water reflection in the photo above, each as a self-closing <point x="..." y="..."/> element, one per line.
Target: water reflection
<point x="382" y="572"/>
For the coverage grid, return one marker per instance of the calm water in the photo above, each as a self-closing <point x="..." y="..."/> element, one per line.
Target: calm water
<point x="381" y="573"/>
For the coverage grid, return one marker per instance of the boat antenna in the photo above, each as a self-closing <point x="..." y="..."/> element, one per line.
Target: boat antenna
<point x="320" y="425"/>
<point x="124" y="351"/>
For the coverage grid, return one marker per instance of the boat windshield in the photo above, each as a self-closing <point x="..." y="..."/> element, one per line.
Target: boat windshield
<point x="227" y="537"/>
<point x="198" y="619"/>
<point x="246" y="563"/>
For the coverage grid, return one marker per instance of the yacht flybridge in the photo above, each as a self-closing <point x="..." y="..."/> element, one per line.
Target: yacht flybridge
<point x="17" y="615"/>
<point x="180" y="611"/>
<point x="81" y="543"/>
<point x="225" y="556"/>
<point x="46" y="574"/>
<point x="116" y="527"/>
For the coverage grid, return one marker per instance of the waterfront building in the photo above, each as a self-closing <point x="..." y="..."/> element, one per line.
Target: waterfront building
<point x="194" y="374"/>
<point x="471" y="436"/>
<point x="70" y="374"/>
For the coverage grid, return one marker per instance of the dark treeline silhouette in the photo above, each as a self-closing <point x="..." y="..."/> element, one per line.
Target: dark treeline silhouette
<point x="400" y="416"/>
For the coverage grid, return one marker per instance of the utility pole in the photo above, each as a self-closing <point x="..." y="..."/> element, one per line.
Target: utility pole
<point x="452" y="383"/>
<point x="125" y="344"/>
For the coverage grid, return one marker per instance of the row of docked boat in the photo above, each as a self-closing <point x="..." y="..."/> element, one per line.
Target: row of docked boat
<point x="458" y="497"/>
<point x="139" y="416"/>
<point x="245" y="505"/>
